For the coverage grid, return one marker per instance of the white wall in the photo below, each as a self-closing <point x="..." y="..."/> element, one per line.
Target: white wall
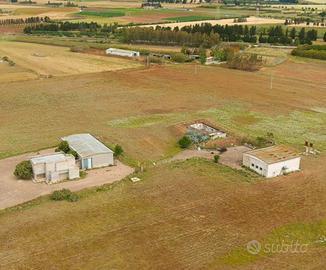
<point x="271" y="170"/>
<point x="276" y="169"/>
<point x="255" y="164"/>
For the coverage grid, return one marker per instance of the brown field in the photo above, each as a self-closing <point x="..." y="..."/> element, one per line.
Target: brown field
<point x="185" y="215"/>
<point x="140" y="108"/>
<point x="45" y="60"/>
<point x="193" y="214"/>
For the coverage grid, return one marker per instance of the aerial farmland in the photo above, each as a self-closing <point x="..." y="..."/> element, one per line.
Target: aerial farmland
<point x="162" y="135"/>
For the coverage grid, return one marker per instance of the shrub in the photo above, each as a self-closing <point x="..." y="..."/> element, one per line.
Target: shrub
<point x="216" y="158"/>
<point x="184" y="142"/>
<point x="63" y="146"/>
<point x="78" y="49"/>
<point x="24" y="170"/>
<point x="64" y="195"/>
<point x="118" y="151"/>
<point x="179" y="57"/>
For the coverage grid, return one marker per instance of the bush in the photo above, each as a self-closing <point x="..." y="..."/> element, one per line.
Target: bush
<point x="24" y="170"/>
<point x="63" y="146"/>
<point x="64" y="195"/>
<point x="184" y="142"/>
<point x="216" y="158"/>
<point x="118" y="151"/>
<point x="179" y="58"/>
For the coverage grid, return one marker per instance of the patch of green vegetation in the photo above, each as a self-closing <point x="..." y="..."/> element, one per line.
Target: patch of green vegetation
<point x="104" y="13"/>
<point x="189" y="18"/>
<point x="147" y="120"/>
<point x="292" y="128"/>
<point x="306" y="235"/>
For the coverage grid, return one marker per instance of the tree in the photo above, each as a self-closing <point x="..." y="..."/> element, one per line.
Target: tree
<point x="202" y="56"/>
<point x="24" y="170"/>
<point x="216" y="158"/>
<point x="184" y="142"/>
<point x="118" y="151"/>
<point x="63" y="146"/>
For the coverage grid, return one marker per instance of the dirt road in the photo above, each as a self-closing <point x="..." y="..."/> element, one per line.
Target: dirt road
<point x="13" y="191"/>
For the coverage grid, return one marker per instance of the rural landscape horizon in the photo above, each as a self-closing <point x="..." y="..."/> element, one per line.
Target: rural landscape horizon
<point x="163" y="134"/>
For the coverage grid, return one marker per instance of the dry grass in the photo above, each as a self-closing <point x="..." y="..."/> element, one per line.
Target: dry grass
<point x="50" y="60"/>
<point x="140" y="109"/>
<point x="186" y="215"/>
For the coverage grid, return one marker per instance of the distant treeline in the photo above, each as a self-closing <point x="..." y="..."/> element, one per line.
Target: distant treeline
<point x="70" y="26"/>
<point x="311" y="51"/>
<point x="162" y="36"/>
<point x="25" y="21"/>
<point x="273" y="34"/>
<point x="278" y="35"/>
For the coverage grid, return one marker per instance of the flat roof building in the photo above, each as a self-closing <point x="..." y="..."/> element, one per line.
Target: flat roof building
<point x="53" y="168"/>
<point x="272" y="161"/>
<point x="91" y="152"/>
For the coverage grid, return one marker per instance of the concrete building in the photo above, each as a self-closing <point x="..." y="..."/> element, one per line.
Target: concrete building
<point x="272" y="161"/>
<point x="91" y="152"/>
<point x="207" y="130"/>
<point x="54" y="168"/>
<point x="120" y="52"/>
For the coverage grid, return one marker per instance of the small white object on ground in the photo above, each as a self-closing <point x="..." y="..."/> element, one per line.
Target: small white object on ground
<point x="135" y="179"/>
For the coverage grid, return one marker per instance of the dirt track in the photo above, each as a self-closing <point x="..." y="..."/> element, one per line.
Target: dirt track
<point x="13" y="191"/>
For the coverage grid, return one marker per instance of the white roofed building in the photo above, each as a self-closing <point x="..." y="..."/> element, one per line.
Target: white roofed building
<point x="53" y="168"/>
<point x="91" y="152"/>
<point x="272" y="161"/>
<point x="120" y="52"/>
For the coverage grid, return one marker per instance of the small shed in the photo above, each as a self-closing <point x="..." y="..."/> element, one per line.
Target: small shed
<point x="53" y="168"/>
<point x="120" y="52"/>
<point x="91" y="152"/>
<point x="272" y="161"/>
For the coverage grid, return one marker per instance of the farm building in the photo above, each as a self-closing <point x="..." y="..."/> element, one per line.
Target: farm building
<point x="55" y="167"/>
<point x="119" y="52"/>
<point x="272" y="161"/>
<point x="91" y="152"/>
<point x="207" y="130"/>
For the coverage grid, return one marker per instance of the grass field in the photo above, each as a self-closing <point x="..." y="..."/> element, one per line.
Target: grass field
<point x="185" y="215"/>
<point x="47" y="60"/>
<point x="104" y="13"/>
<point x="142" y="112"/>
<point x="189" y="18"/>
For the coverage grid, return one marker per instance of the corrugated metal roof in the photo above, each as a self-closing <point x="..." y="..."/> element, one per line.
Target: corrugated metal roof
<point x="56" y="157"/>
<point x="274" y="154"/>
<point x="86" y="145"/>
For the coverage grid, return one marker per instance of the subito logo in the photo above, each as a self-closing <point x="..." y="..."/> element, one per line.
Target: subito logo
<point x="253" y="247"/>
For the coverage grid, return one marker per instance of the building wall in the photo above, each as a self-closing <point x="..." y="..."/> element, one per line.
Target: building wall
<point x="101" y="160"/>
<point x="271" y="170"/>
<point x="49" y="170"/>
<point x="276" y="169"/>
<point x="255" y="164"/>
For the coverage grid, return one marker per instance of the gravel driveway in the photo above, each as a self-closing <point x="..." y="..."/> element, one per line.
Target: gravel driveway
<point x="13" y="191"/>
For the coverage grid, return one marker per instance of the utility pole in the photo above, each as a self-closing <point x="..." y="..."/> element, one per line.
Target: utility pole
<point x="271" y="83"/>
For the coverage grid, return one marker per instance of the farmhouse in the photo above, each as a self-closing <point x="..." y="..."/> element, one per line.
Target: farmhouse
<point x="272" y="161"/>
<point x="91" y="152"/>
<point x="120" y="52"/>
<point x="54" y="168"/>
<point x="207" y="130"/>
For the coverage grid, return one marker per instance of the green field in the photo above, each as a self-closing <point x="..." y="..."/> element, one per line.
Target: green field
<point x="189" y="18"/>
<point x="104" y="13"/>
